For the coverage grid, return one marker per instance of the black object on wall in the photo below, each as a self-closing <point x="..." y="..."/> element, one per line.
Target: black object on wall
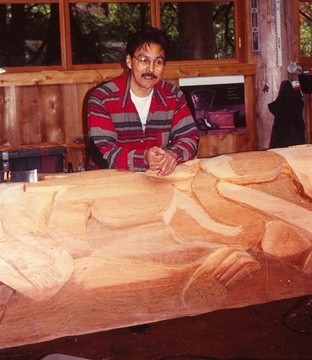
<point x="288" y="127"/>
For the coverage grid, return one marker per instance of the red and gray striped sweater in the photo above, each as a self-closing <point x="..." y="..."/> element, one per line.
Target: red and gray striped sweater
<point x="116" y="130"/>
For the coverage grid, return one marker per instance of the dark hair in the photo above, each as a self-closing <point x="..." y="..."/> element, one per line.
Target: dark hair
<point x="147" y="36"/>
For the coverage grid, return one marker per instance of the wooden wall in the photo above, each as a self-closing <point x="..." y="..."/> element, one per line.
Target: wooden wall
<point x="42" y="113"/>
<point x="41" y="107"/>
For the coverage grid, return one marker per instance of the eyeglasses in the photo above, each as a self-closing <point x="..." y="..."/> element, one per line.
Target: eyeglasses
<point x="145" y="62"/>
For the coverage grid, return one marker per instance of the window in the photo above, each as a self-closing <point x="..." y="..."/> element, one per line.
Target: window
<point x="212" y="37"/>
<point x="99" y="31"/>
<point x="305" y="13"/>
<point x="29" y="35"/>
<point x="66" y="34"/>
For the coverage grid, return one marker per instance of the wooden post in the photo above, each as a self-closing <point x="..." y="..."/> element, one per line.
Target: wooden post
<point x="267" y="63"/>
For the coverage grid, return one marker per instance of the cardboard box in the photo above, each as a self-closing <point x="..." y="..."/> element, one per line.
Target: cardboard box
<point x="222" y="119"/>
<point x="45" y="160"/>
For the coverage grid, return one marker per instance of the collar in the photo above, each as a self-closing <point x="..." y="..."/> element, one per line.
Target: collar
<point x="158" y="93"/>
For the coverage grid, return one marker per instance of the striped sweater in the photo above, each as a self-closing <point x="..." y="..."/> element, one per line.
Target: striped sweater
<point x="115" y="128"/>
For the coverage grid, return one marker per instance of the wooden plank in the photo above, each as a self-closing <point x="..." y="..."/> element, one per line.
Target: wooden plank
<point x="104" y="73"/>
<point x="217" y="143"/>
<point x="3" y="122"/>
<point x="251" y="115"/>
<point x="194" y="69"/>
<point x="75" y="98"/>
<point x="50" y="109"/>
<point x="20" y="77"/>
<point x="29" y="115"/>
<point x="70" y="107"/>
<point x="11" y="128"/>
<point x="83" y="91"/>
<point x="308" y="117"/>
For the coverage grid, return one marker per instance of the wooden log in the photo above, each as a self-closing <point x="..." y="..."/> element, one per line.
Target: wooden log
<point x="91" y="251"/>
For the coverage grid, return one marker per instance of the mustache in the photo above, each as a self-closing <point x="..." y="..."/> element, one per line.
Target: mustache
<point x="149" y="74"/>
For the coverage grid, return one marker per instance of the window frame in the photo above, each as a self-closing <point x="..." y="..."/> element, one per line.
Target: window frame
<point x="62" y="36"/>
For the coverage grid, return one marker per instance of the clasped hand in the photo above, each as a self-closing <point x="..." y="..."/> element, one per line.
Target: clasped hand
<point x="163" y="161"/>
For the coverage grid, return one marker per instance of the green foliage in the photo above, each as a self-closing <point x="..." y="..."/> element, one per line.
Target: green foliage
<point x="305" y="28"/>
<point x="218" y="16"/>
<point x="103" y="30"/>
<point x="99" y="31"/>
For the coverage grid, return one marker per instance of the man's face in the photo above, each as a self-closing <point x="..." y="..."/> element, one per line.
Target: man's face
<point x="143" y="79"/>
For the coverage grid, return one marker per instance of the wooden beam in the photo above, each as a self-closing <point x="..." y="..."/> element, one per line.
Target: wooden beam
<point x="12" y="77"/>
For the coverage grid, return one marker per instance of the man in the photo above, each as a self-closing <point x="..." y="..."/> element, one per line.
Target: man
<point x="138" y="121"/>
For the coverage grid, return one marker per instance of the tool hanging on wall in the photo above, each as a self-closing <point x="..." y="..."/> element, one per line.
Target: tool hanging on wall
<point x="277" y="10"/>
<point x="254" y="25"/>
<point x="266" y="85"/>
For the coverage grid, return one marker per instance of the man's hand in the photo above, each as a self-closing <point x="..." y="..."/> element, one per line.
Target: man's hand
<point x="164" y="161"/>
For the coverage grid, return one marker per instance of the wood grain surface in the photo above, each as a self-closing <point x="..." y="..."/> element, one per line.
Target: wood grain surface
<point x="91" y="251"/>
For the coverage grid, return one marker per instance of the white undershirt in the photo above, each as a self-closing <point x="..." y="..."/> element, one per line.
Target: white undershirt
<point x="142" y="105"/>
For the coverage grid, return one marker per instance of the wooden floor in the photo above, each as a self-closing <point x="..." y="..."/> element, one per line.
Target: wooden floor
<point x="278" y="330"/>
